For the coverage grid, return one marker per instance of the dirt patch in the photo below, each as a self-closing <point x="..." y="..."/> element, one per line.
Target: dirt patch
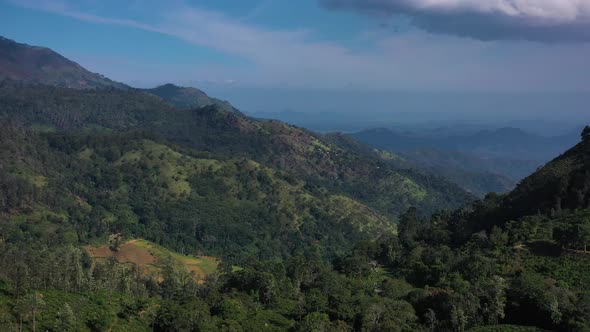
<point x="130" y="253"/>
<point x="127" y="253"/>
<point x="100" y="252"/>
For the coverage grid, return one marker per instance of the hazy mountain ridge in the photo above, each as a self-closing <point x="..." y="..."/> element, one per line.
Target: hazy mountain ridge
<point x="511" y="143"/>
<point x="480" y="162"/>
<point x="188" y="97"/>
<point x="40" y="65"/>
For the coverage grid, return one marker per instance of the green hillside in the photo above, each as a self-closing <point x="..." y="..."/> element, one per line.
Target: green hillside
<point x="307" y="156"/>
<point x="141" y="186"/>
<point x="562" y="184"/>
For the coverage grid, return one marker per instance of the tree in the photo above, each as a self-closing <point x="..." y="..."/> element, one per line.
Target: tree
<point x="316" y="322"/>
<point x="586" y="133"/>
<point x="30" y="305"/>
<point x="430" y="319"/>
<point x="583" y="233"/>
<point x="65" y="321"/>
<point x="408" y="227"/>
<point x="458" y="319"/>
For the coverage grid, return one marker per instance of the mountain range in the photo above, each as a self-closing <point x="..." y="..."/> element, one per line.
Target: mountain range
<point x="164" y="209"/>
<point x="480" y="161"/>
<point x="188" y="118"/>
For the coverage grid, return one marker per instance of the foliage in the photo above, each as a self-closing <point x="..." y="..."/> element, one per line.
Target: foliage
<point x="302" y="227"/>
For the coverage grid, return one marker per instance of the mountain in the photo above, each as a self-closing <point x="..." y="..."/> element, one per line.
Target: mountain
<point x="554" y="194"/>
<point x="291" y="185"/>
<point x="187" y="97"/>
<point x="122" y="212"/>
<point x="562" y="184"/>
<point x="278" y="145"/>
<point x="480" y="162"/>
<point x="474" y="174"/>
<point x="42" y="65"/>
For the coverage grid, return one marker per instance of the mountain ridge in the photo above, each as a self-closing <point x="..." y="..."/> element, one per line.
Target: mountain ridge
<point x="188" y="97"/>
<point x="36" y="64"/>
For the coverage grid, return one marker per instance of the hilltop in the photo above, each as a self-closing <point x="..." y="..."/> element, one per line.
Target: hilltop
<point x="188" y="97"/>
<point x="41" y="65"/>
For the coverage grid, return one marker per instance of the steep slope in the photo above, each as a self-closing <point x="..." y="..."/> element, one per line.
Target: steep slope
<point x="564" y="183"/>
<point x="560" y="189"/>
<point x="33" y="64"/>
<point x="187" y="97"/>
<point x="307" y="156"/>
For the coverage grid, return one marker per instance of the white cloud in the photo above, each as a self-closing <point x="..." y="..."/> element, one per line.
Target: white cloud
<point x="539" y="20"/>
<point x="540" y="11"/>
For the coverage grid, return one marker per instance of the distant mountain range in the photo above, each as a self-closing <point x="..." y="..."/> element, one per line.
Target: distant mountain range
<point x="480" y="161"/>
<point x="511" y="143"/>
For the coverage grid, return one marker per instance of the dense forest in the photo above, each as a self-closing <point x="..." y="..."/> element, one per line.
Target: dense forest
<point x="121" y="212"/>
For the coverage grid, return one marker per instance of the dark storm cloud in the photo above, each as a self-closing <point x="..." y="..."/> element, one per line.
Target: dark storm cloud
<point x="540" y="20"/>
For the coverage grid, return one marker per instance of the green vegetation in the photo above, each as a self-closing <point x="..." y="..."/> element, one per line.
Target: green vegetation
<point x="289" y="256"/>
<point x="135" y="216"/>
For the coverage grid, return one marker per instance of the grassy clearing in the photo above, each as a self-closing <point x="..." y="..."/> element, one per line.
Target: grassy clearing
<point x="201" y="266"/>
<point x="174" y="168"/>
<point x="85" y="154"/>
<point x="366" y="220"/>
<point x="30" y="176"/>
<point x="40" y="214"/>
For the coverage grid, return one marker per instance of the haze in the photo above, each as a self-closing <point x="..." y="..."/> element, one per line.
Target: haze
<point x="361" y="62"/>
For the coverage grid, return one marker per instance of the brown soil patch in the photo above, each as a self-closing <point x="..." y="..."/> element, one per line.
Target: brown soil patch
<point x="130" y="253"/>
<point x="100" y="252"/>
<point x="127" y="253"/>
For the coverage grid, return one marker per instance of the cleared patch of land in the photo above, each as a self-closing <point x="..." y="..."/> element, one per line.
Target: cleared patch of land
<point x="150" y="258"/>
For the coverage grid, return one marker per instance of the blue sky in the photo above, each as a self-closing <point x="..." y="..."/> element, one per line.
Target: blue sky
<point x="232" y="47"/>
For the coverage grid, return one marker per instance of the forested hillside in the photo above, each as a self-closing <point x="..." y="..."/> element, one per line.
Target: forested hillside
<point x="303" y="154"/>
<point x="317" y="262"/>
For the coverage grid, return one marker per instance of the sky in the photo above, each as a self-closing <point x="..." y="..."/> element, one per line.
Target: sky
<point x="270" y="55"/>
